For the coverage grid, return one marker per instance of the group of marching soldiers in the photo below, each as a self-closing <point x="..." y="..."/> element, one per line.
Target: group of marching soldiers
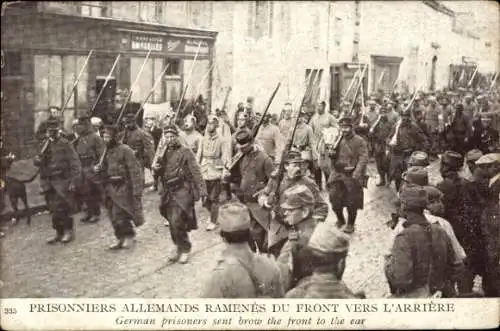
<point x="261" y="177"/>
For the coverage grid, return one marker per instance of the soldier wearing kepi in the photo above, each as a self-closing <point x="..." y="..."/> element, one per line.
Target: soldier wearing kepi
<point x="255" y="168"/>
<point x="241" y="273"/>
<point x="89" y="147"/>
<point x="139" y="141"/>
<point x="214" y="157"/>
<point x="295" y="264"/>
<point x="347" y="180"/>
<point x="278" y="232"/>
<point x="183" y="184"/>
<point x="328" y="250"/>
<point x="60" y="171"/>
<point x="123" y="185"/>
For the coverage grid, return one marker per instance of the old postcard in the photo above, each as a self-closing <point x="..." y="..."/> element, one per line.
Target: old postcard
<point x="211" y="164"/>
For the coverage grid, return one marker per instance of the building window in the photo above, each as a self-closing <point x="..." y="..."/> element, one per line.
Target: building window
<point x="54" y="78"/>
<point x="174" y="68"/>
<point x="260" y="19"/>
<point x="94" y="8"/>
<point x="11" y="63"/>
<point x="146" y="80"/>
<point x="200" y="13"/>
<point x="159" y="11"/>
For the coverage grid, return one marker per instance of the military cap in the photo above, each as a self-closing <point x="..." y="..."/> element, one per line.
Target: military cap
<point x="171" y="129"/>
<point x="406" y="112"/>
<point x="419" y="158"/>
<point x="129" y="116"/>
<point x="327" y="238"/>
<point x="486" y="118"/>
<point x="294" y="157"/>
<point x="53" y="123"/>
<point x="433" y="194"/>
<point x="111" y="129"/>
<point x="453" y="159"/>
<point x="96" y="121"/>
<point x="233" y="216"/>
<point x="473" y="155"/>
<point x="243" y="136"/>
<point x="212" y="118"/>
<point x="345" y="119"/>
<point x="413" y="196"/>
<point x="489" y="158"/>
<point x="297" y="197"/>
<point x="416" y="175"/>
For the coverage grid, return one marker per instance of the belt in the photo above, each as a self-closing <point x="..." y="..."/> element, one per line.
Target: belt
<point x="115" y="179"/>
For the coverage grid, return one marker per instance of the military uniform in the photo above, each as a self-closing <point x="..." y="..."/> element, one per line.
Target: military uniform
<point x="255" y="168"/>
<point x="404" y="139"/>
<point x="379" y="132"/>
<point x="458" y="131"/>
<point x="60" y="173"/>
<point x="89" y="147"/>
<point x="183" y="184"/>
<point x="432" y="114"/>
<point x="193" y="137"/>
<point x="214" y="157"/>
<point x="346" y="182"/>
<point x="123" y="185"/>
<point x="270" y="139"/>
<point x="140" y="141"/>
<point x="295" y="264"/>
<point x="319" y="123"/>
<point x="278" y="232"/>
<point x="241" y="273"/>
<point x="325" y="282"/>
<point x="422" y="260"/>
<point x="304" y="141"/>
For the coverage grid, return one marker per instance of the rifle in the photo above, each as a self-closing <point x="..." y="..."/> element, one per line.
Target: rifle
<point x="273" y="196"/>
<point x="103" y="156"/>
<point x="151" y="91"/>
<point x="226" y="98"/>
<point x="108" y="77"/>
<point x="255" y="130"/>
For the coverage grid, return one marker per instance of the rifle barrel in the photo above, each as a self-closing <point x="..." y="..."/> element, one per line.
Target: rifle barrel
<point x="66" y="102"/>
<point x="105" y="84"/>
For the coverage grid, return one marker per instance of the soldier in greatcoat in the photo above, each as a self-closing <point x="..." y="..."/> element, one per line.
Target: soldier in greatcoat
<point x="379" y="132"/>
<point x="183" y="185"/>
<point x="60" y="173"/>
<point x="458" y="131"/>
<point x="294" y="175"/>
<point x="89" y="147"/>
<point x="422" y="260"/>
<point x="214" y="158"/>
<point x="140" y="141"/>
<point x="241" y="273"/>
<point x="405" y="138"/>
<point x="328" y="249"/>
<point x="121" y="174"/>
<point x="431" y="115"/>
<point x="348" y="177"/>
<point x="255" y="168"/>
<point x="305" y="142"/>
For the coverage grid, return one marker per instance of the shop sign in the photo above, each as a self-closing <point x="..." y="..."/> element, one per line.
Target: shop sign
<point x="145" y="43"/>
<point x="192" y="46"/>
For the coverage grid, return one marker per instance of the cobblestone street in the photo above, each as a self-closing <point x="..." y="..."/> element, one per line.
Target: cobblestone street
<point x="84" y="268"/>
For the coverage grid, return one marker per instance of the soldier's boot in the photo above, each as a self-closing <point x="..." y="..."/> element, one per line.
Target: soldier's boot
<point x="183" y="258"/>
<point x="68" y="236"/>
<point x="117" y="245"/>
<point x="349" y="228"/>
<point x="352" y="214"/>
<point x="57" y="238"/>
<point x="128" y="242"/>
<point x="174" y="256"/>
<point x="340" y="218"/>
<point x="381" y="181"/>
<point x="86" y="218"/>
